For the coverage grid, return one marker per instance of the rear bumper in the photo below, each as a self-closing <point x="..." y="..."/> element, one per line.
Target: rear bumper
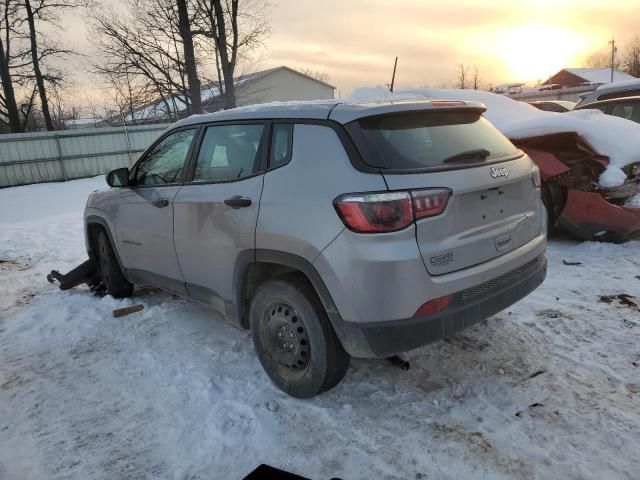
<point x="384" y="339"/>
<point x="589" y="216"/>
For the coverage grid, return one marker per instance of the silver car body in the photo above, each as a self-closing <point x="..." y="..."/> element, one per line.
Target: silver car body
<point x="486" y="248"/>
<point x="608" y="91"/>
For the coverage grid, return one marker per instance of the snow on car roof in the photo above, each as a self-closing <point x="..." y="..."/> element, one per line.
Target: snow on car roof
<point x="619" y="85"/>
<point x="363" y="103"/>
<point x="316" y="109"/>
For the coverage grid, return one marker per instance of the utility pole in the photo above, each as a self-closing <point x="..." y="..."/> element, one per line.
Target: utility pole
<point x="614" y="49"/>
<point x="393" y="77"/>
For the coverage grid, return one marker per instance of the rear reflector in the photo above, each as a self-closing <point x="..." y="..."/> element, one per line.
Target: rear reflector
<point x="433" y="306"/>
<point x="389" y="211"/>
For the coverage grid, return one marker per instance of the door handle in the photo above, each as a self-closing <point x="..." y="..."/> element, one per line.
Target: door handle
<point x="237" y="201"/>
<point x="161" y="202"/>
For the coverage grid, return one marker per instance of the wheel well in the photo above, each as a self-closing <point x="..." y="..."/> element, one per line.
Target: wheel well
<point x="259" y="272"/>
<point x="556" y="197"/>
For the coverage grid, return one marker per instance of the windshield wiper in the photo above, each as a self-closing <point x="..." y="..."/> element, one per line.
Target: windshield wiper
<point x="468" y="156"/>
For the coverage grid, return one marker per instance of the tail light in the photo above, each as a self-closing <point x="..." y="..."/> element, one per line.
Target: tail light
<point x="389" y="211"/>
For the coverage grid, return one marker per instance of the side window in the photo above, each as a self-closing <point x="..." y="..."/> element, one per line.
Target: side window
<point x="622" y="110"/>
<point x="281" y="144"/>
<point x="629" y="110"/>
<point x="228" y="152"/>
<point x="165" y="163"/>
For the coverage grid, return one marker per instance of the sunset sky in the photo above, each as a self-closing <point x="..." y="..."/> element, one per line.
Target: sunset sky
<point x="355" y="41"/>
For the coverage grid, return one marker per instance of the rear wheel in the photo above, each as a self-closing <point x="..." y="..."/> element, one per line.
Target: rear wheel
<point x="294" y="339"/>
<point x="112" y="276"/>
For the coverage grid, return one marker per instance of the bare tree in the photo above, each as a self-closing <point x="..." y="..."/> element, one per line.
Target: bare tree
<point x="9" y="114"/>
<point x="24" y="67"/>
<point x="627" y="61"/>
<point x="39" y="13"/>
<point x="631" y="57"/>
<point x="189" y="55"/>
<point x="598" y="60"/>
<point x="476" y="77"/>
<point x="163" y="46"/>
<point x="144" y="46"/>
<point x="321" y="75"/>
<point x="461" y="72"/>
<point x="236" y="29"/>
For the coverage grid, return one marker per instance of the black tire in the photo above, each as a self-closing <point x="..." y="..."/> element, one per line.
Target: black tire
<point x="112" y="276"/>
<point x="311" y="360"/>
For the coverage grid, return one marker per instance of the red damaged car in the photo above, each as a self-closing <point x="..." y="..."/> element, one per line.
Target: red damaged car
<point x="589" y="162"/>
<point x="574" y="199"/>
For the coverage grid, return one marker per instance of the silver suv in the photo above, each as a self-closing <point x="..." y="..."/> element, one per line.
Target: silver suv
<point x="610" y="91"/>
<point x="331" y="230"/>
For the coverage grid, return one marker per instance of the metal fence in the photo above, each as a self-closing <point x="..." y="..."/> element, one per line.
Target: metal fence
<point x="65" y="155"/>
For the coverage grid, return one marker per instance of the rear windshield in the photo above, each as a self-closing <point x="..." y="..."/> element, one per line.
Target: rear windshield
<point x="420" y="140"/>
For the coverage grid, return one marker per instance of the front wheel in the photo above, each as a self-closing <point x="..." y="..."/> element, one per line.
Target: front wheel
<point x="112" y="276"/>
<point x="294" y="339"/>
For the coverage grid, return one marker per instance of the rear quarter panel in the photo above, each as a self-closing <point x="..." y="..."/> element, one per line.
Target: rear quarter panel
<point x="296" y="209"/>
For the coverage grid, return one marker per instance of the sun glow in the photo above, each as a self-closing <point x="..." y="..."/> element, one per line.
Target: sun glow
<point x="535" y="52"/>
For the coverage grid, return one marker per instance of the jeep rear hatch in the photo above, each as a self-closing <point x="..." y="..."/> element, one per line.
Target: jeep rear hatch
<point x="493" y="206"/>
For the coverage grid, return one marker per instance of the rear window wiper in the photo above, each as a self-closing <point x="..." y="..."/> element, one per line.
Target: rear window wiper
<point x="468" y="156"/>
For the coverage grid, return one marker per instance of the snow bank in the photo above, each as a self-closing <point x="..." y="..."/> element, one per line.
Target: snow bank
<point x="46" y="200"/>
<point x="614" y="137"/>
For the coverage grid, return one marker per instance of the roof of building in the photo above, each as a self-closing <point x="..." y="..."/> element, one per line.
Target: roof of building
<point x="599" y="75"/>
<point x="262" y="73"/>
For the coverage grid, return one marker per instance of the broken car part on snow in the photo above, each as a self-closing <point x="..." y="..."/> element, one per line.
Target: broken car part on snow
<point x="574" y="199"/>
<point x="87" y="272"/>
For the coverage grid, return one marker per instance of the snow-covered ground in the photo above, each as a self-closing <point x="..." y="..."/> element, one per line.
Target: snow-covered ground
<point x="548" y="389"/>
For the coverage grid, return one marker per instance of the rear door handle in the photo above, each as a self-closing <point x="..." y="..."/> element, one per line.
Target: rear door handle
<point x="161" y="202"/>
<point x="237" y="201"/>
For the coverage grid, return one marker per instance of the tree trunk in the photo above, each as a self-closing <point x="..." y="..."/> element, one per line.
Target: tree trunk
<point x="9" y="95"/>
<point x="189" y="57"/>
<point x="44" y="102"/>
<point x="226" y="65"/>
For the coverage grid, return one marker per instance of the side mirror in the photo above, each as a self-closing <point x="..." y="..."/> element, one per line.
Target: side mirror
<point x="118" y="177"/>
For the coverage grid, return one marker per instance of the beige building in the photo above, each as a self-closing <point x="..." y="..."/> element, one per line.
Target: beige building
<point x="275" y="84"/>
<point x="280" y="84"/>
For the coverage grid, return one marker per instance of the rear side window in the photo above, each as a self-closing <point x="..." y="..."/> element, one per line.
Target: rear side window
<point x="281" y="142"/>
<point x="422" y="140"/>
<point x="629" y="110"/>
